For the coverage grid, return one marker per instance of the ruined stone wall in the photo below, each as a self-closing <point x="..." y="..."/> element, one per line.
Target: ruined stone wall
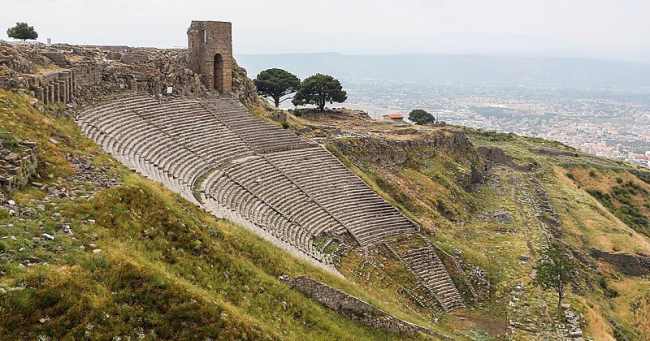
<point x="18" y="164"/>
<point x="54" y="87"/>
<point x="352" y="307"/>
<point x="87" y="74"/>
<point x="631" y="265"/>
<point x="73" y="75"/>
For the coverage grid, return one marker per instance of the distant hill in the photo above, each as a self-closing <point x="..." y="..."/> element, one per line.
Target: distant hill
<point x="463" y="70"/>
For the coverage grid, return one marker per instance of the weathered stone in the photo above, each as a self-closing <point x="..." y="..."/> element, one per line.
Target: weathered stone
<point x="503" y="217"/>
<point x="352" y="307"/>
<point x="210" y="46"/>
<point x="632" y="265"/>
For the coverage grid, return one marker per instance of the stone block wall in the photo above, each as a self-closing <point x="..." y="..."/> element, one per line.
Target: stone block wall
<point x="353" y="308"/>
<point x="57" y="58"/>
<point x="18" y="165"/>
<point x="87" y="75"/>
<point x="55" y="87"/>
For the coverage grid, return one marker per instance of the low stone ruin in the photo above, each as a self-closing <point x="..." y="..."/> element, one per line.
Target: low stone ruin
<point x="18" y="163"/>
<point x="353" y="307"/>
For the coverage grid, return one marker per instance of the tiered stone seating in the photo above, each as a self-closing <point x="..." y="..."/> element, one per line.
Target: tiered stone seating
<point x="261" y="136"/>
<point x="366" y="215"/>
<point x="431" y="272"/>
<point x="266" y="182"/>
<point x="222" y="190"/>
<point x="188" y="123"/>
<point x="217" y="155"/>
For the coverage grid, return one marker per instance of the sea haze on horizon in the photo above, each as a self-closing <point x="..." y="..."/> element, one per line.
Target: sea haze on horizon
<point x="462" y="70"/>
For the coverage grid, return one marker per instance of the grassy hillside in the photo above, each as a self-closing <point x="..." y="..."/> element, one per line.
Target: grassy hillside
<point x="91" y="250"/>
<point x="536" y="193"/>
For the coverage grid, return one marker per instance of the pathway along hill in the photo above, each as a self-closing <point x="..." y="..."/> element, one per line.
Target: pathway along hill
<point x="289" y="190"/>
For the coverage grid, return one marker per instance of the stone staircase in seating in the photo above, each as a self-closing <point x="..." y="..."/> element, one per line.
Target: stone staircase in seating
<point x="421" y="258"/>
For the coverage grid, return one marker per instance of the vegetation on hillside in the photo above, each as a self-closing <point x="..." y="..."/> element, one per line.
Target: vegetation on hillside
<point x="135" y="260"/>
<point x="555" y="271"/>
<point x="535" y="194"/>
<point x="79" y="260"/>
<point x="319" y="90"/>
<point x="622" y="193"/>
<point x="276" y="84"/>
<point x="419" y="116"/>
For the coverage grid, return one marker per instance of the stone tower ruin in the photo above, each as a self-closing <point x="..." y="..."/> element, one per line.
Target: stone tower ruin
<point x="210" y="46"/>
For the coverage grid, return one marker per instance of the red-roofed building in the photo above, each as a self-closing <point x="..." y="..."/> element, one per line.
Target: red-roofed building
<point x="394" y="117"/>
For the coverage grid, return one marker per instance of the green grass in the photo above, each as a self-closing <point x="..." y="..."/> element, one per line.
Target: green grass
<point x="169" y="270"/>
<point x="144" y="263"/>
<point x="431" y="189"/>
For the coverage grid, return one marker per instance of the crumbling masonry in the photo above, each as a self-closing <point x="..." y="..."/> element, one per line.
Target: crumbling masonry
<point x="210" y="47"/>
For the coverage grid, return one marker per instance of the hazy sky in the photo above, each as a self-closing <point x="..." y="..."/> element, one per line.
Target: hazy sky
<point x="614" y="29"/>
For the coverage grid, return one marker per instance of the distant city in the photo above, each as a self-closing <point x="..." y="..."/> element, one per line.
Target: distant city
<point x="611" y="126"/>
<point x="602" y="108"/>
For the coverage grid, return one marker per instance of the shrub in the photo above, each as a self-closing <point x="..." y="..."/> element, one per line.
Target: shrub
<point x="420" y="117"/>
<point x="609" y="292"/>
<point x="604" y="198"/>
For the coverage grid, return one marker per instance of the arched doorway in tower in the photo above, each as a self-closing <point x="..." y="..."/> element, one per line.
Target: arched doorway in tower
<point x="218" y="72"/>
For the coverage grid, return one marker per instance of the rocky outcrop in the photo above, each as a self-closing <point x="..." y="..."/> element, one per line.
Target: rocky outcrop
<point x="243" y="87"/>
<point x="389" y="153"/>
<point x="631" y="265"/>
<point x="352" y="307"/>
<point x="494" y="156"/>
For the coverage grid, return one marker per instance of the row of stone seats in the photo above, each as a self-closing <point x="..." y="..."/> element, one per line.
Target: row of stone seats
<point x="156" y="133"/>
<point x="427" y="266"/>
<point x="114" y="109"/>
<point x="366" y="215"/>
<point x="151" y="144"/>
<point x="178" y="141"/>
<point x="261" y="136"/>
<point x="260" y="177"/>
<point x="139" y="164"/>
<point x="225" y="191"/>
<point x="125" y="134"/>
<point x="278" y="237"/>
<point x="138" y="123"/>
<point x="196" y="128"/>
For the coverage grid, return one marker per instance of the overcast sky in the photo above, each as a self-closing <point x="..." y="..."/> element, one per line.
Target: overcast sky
<point x="611" y="29"/>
